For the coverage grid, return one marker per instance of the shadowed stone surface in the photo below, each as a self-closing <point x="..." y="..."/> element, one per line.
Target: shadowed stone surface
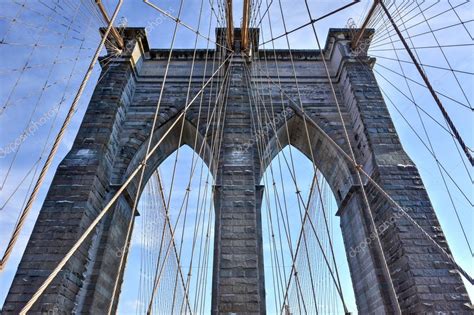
<point x="112" y="142"/>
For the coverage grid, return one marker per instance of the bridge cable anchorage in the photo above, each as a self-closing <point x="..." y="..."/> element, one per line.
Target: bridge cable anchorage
<point x="113" y="30"/>
<point x="246" y="12"/>
<point x="230" y="24"/>
<point x="57" y="141"/>
<point x="124" y="186"/>
<point x="428" y="84"/>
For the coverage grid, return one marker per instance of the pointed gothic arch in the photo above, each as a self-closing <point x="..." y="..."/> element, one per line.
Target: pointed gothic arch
<point x="334" y="167"/>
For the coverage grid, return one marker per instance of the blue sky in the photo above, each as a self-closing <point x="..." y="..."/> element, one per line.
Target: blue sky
<point x="32" y="96"/>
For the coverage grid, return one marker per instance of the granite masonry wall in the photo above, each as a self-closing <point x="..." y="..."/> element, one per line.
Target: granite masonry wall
<point x="112" y="142"/>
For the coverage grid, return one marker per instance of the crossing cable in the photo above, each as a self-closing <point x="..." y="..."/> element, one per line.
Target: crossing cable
<point x="424" y="33"/>
<point x="285" y="219"/>
<point x="112" y="201"/>
<point x="279" y="79"/>
<point x="404" y="11"/>
<point x="428" y="84"/>
<point x="188" y="280"/>
<point x="419" y="138"/>
<point x="186" y="198"/>
<point x="54" y="13"/>
<point x="177" y="20"/>
<point x="430" y="47"/>
<point x="418" y="107"/>
<point x="311" y="22"/>
<point x="158" y="275"/>
<point x="293" y="175"/>
<point x="277" y="275"/>
<point x="36" y="165"/>
<point x="429" y="66"/>
<point x="26" y="96"/>
<point x="450" y="258"/>
<point x="436" y="159"/>
<point x="43" y="65"/>
<point x="56" y="143"/>
<point x="453" y="73"/>
<point x="63" y="98"/>
<point x="10" y="94"/>
<point x="367" y="208"/>
<point x="41" y="95"/>
<point x="214" y="158"/>
<point x="459" y="18"/>
<point x="216" y="138"/>
<point x="275" y="131"/>
<point x="166" y="223"/>
<point x="284" y="216"/>
<point x="443" y="167"/>
<point x="201" y="281"/>
<point x="449" y="132"/>
<point x="430" y="18"/>
<point x="262" y="154"/>
<point x="334" y="278"/>
<point x="144" y="163"/>
<point x="294" y="106"/>
<point x="308" y="139"/>
<point x="275" y="259"/>
<point x="153" y="192"/>
<point x="275" y="271"/>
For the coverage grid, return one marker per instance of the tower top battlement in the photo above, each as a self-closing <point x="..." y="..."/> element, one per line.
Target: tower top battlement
<point x="131" y="35"/>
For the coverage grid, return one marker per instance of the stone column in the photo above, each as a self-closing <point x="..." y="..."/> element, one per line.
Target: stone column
<point x="80" y="189"/>
<point x="238" y="279"/>
<point x="424" y="280"/>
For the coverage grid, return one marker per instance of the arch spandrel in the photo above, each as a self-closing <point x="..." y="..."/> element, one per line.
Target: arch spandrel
<point x="327" y="158"/>
<point x="169" y="142"/>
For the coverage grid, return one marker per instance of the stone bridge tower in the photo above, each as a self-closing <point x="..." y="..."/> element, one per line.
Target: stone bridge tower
<point x="112" y="141"/>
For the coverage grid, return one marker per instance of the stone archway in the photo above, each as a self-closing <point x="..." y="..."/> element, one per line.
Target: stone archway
<point x="116" y="125"/>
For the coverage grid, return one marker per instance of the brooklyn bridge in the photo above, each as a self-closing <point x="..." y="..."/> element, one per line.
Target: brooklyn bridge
<point x="236" y="157"/>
